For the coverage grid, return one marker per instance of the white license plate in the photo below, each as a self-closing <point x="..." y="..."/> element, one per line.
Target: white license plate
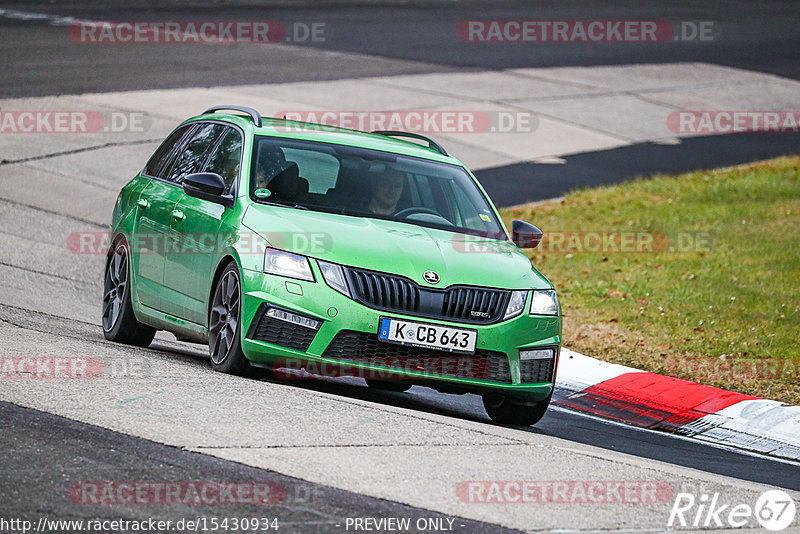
<point x="428" y="335"/>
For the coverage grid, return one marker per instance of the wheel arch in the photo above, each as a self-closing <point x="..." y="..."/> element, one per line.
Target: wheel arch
<point x="221" y="266"/>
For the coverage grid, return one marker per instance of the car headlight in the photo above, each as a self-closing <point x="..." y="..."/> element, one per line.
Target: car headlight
<point x="515" y="304"/>
<point x="544" y="302"/>
<point x="334" y="276"/>
<point x="287" y="264"/>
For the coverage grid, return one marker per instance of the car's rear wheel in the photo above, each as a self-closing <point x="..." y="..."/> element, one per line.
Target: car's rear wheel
<point x="388" y="386"/>
<point x="505" y="411"/>
<point x="119" y="321"/>
<point x="224" y="324"/>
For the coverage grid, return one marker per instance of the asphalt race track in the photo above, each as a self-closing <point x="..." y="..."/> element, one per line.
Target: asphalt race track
<point x="389" y="37"/>
<point x="394" y="38"/>
<point x="335" y="448"/>
<point x="80" y="450"/>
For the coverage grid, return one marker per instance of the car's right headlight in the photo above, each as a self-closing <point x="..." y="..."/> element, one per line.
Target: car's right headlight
<point x="515" y="304"/>
<point x="334" y="276"/>
<point x="544" y="302"/>
<point x="287" y="264"/>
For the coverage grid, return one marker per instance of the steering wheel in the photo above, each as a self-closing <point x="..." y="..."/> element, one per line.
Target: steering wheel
<point x="414" y="210"/>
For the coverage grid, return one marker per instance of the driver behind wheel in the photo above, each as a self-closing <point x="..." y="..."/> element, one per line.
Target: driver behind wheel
<point x="385" y="192"/>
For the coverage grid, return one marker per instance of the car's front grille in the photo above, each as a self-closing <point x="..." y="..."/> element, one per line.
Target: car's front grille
<point x="536" y="371"/>
<point x="362" y="347"/>
<point x="385" y="291"/>
<point x="394" y="293"/>
<point x="279" y="332"/>
<point x="470" y="303"/>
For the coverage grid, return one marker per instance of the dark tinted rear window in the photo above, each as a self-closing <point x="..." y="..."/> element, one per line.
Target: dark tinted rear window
<point x="227" y="158"/>
<point x="160" y="157"/>
<point x="193" y="156"/>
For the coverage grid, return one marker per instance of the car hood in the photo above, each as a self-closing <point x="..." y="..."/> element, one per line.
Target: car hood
<point x="396" y="247"/>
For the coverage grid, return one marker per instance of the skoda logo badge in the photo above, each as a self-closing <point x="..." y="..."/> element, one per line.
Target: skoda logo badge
<point x="431" y="277"/>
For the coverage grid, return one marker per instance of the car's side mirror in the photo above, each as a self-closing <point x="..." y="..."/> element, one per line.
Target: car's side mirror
<point x="525" y="235"/>
<point x="208" y="186"/>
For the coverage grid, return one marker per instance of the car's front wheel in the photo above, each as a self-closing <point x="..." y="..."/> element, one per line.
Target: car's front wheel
<point x="505" y="411"/>
<point x="119" y="321"/>
<point x="224" y="324"/>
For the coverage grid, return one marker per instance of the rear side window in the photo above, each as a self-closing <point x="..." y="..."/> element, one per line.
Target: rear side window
<point x="227" y="158"/>
<point x="155" y="167"/>
<point x="193" y="156"/>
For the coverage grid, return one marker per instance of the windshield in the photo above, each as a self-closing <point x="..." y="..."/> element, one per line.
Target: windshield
<point x="369" y="183"/>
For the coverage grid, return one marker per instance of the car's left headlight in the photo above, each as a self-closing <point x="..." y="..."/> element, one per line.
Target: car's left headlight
<point x="544" y="302"/>
<point x="287" y="264"/>
<point x="515" y="304"/>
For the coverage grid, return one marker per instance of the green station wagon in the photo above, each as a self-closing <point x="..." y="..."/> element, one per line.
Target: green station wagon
<point x="321" y="250"/>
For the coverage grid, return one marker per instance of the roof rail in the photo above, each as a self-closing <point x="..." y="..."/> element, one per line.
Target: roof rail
<point x="431" y="143"/>
<point x="255" y="115"/>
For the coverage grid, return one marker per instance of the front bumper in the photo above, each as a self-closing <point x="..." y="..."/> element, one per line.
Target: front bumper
<point x="345" y="342"/>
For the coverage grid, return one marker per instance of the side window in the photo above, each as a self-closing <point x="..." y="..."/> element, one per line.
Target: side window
<point x="161" y="155"/>
<point x="227" y="158"/>
<point x="439" y="190"/>
<point x="423" y="195"/>
<point x="469" y="214"/>
<point x="193" y="156"/>
<point x="320" y="170"/>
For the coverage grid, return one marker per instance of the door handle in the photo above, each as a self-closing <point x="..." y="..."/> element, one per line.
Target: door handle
<point x="143" y="203"/>
<point x="177" y="215"/>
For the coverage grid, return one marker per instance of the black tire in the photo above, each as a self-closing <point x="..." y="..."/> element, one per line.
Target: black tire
<point x="118" y="319"/>
<point x="224" y="325"/>
<point x="388" y="386"/>
<point x="504" y="411"/>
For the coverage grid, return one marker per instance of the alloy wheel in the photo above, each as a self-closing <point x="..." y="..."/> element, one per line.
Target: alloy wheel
<point x="224" y="318"/>
<point x="115" y="285"/>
